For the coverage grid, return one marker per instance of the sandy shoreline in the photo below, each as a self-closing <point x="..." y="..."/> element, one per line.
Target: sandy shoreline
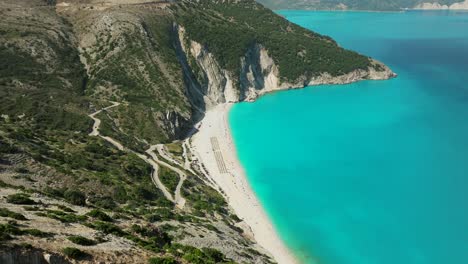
<point x="214" y="147"/>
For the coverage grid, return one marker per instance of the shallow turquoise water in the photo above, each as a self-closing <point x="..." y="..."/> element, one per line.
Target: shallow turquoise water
<point x="374" y="172"/>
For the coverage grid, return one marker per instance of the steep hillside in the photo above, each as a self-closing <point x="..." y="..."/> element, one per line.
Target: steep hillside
<point x="98" y="100"/>
<point x="247" y="50"/>
<point x="378" y="5"/>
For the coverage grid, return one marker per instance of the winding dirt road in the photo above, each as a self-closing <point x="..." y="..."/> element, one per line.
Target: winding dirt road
<point x="179" y="200"/>
<point x="150" y="161"/>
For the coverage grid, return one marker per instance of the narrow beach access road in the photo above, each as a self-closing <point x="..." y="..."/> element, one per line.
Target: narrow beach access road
<point x="150" y="161"/>
<point x="179" y="200"/>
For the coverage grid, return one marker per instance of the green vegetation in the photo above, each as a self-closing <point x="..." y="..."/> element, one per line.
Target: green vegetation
<point x="63" y="216"/>
<point x="169" y="178"/>
<point x="202" y="198"/>
<point x="11" y="229"/>
<point x="100" y="215"/>
<point x="75" y="197"/>
<point x="74" y="253"/>
<point x="35" y="232"/>
<point x="7" y="230"/>
<point x="198" y="256"/>
<point x="152" y="81"/>
<point x="159" y="214"/>
<point x="107" y="228"/>
<point x="7" y="213"/>
<point x="46" y="91"/>
<point x="175" y="148"/>
<point x="20" y="198"/>
<point x="79" y="240"/>
<point x="164" y="260"/>
<point x="229" y="28"/>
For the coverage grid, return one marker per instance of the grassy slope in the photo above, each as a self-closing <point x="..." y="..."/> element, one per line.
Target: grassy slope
<point x="41" y="77"/>
<point x="131" y="59"/>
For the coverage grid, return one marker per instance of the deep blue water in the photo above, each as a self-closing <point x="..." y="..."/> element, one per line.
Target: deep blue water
<point x="374" y="172"/>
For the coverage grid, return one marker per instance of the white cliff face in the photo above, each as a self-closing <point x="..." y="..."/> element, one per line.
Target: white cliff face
<point x="216" y="79"/>
<point x="216" y="85"/>
<point x="437" y="6"/>
<point x="258" y="75"/>
<point x="459" y="6"/>
<point x="431" y="6"/>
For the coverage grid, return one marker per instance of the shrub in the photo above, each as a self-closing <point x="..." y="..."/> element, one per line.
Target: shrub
<point x="105" y="202"/>
<point x="75" y="197"/>
<point x="145" y="193"/>
<point x="120" y="194"/>
<point x="53" y="192"/>
<point x="7" y="213"/>
<point x="6" y="230"/>
<point x="11" y="229"/>
<point x="65" y="209"/>
<point x="79" y="240"/>
<point x="63" y="217"/>
<point x="36" y="233"/>
<point x="100" y="215"/>
<point x="19" y="198"/>
<point x="73" y="253"/>
<point x="213" y="254"/>
<point x="169" y="178"/>
<point x="108" y="228"/>
<point x="165" y="260"/>
<point x="6" y="147"/>
<point x="198" y="256"/>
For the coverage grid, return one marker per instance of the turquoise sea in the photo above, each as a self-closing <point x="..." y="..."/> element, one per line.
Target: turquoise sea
<point x="374" y="172"/>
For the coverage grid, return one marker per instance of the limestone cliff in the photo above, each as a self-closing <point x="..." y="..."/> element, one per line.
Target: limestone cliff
<point x="258" y="74"/>
<point x="437" y="6"/>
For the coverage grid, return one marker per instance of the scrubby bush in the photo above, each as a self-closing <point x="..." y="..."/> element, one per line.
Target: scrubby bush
<point x="6" y="147"/>
<point x="75" y="197"/>
<point x="198" y="256"/>
<point x="12" y="229"/>
<point x="108" y="228"/>
<point x="105" y="202"/>
<point x="6" y="230"/>
<point x="36" y="233"/>
<point x="53" y="192"/>
<point x="7" y="213"/>
<point x="19" y="198"/>
<point x="79" y="240"/>
<point x="100" y="215"/>
<point x="164" y="260"/>
<point x="73" y="253"/>
<point x="169" y="178"/>
<point x="119" y="194"/>
<point x="62" y="216"/>
<point x="160" y="214"/>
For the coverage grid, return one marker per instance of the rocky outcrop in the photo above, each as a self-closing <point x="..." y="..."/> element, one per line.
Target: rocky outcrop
<point x="258" y="74"/>
<point x="17" y="255"/>
<point x="207" y="80"/>
<point x="437" y="6"/>
<point x="175" y="124"/>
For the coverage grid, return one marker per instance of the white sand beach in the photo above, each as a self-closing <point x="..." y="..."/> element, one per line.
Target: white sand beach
<point x="214" y="147"/>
